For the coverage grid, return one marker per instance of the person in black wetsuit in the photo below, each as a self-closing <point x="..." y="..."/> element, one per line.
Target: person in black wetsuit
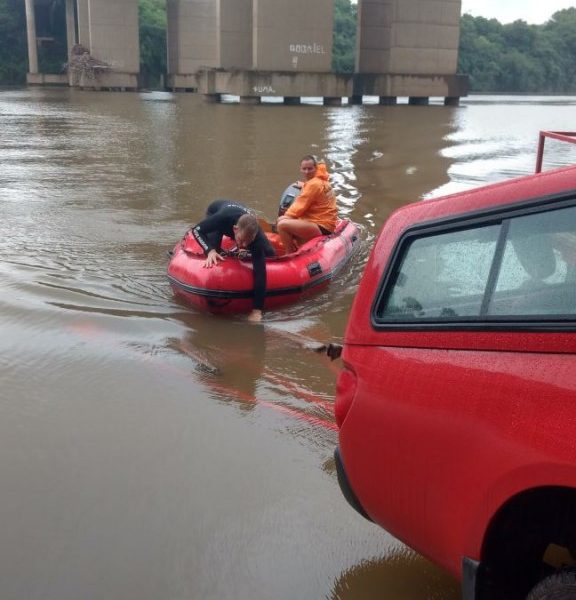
<point x="224" y="217"/>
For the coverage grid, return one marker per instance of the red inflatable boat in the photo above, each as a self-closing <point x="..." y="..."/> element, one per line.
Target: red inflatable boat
<point x="227" y="288"/>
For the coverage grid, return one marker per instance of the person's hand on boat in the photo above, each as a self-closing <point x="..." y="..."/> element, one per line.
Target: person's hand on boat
<point x="212" y="259"/>
<point x="255" y="316"/>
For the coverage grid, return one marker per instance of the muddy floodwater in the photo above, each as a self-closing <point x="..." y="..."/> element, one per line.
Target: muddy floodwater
<point x="152" y="452"/>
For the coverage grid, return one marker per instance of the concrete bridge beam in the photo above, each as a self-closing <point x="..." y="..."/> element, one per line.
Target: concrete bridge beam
<point x="271" y="83"/>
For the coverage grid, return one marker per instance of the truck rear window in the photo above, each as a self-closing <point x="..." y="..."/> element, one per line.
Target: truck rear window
<point x="519" y="268"/>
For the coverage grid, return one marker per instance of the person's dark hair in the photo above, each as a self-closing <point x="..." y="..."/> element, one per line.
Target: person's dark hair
<point x="248" y="225"/>
<point x="309" y="157"/>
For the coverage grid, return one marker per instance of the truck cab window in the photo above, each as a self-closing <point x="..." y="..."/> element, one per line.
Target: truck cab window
<point x="441" y="276"/>
<point x="538" y="271"/>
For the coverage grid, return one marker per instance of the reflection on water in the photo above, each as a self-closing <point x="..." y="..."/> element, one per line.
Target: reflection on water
<point x="496" y="139"/>
<point x="150" y="451"/>
<point x="260" y="366"/>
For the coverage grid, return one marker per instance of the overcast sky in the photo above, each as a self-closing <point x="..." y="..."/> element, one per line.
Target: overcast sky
<point x="506" y="11"/>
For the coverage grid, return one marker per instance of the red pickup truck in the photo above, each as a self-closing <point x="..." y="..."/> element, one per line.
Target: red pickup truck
<point x="456" y="403"/>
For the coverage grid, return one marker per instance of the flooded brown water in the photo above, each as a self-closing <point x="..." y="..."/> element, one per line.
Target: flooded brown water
<point x="151" y="452"/>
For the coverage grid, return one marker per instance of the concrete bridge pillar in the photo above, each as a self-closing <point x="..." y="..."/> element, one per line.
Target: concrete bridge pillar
<point x="408" y="37"/>
<point x="108" y="29"/>
<point x="209" y="34"/>
<point x="34" y="76"/>
<point x="235" y="38"/>
<point x="409" y="48"/>
<point x="70" y="26"/>
<point x="192" y="29"/>
<point x="269" y="48"/>
<point x="292" y="36"/>
<point x="31" y="36"/>
<point x="114" y="39"/>
<point x="83" y="23"/>
<point x="246" y="36"/>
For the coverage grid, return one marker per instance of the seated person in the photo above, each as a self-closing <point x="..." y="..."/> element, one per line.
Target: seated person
<point x="224" y="217"/>
<point x="313" y="212"/>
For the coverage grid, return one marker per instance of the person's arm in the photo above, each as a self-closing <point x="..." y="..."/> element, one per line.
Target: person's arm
<point x="200" y="232"/>
<point x="208" y="225"/>
<point x="304" y="199"/>
<point x="259" y="274"/>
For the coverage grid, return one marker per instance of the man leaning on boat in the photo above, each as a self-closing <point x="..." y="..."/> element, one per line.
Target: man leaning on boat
<point x="224" y="217"/>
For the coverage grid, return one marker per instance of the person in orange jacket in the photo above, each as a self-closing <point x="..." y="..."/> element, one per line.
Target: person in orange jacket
<point x="313" y="212"/>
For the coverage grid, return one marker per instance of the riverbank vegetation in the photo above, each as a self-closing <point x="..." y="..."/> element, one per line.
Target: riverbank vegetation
<point x="511" y="58"/>
<point x="518" y="57"/>
<point x="152" y="17"/>
<point x="344" y="41"/>
<point x="13" y="53"/>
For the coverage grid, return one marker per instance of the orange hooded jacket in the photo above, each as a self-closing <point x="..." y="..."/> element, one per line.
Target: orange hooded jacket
<point x="316" y="203"/>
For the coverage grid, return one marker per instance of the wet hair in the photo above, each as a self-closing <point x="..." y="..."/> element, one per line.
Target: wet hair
<point x="309" y="157"/>
<point x="248" y="225"/>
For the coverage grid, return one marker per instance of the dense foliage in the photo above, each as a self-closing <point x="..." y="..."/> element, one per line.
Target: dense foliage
<point x="515" y="57"/>
<point x="13" y="52"/>
<point x="344" y="43"/>
<point x="518" y="57"/>
<point x="152" y="15"/>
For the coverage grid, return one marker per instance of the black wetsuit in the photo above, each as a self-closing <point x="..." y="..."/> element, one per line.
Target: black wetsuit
<point x="220" y="218"/>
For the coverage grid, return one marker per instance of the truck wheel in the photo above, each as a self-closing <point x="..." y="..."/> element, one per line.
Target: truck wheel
<point x="558" y="586"/>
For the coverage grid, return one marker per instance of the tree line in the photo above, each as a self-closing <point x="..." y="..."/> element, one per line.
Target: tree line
<point x="498" y="58"/>
<point x="518" y="57"/>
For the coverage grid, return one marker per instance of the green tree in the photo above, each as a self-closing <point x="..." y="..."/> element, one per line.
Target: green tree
<point x="520" y="36"/>
<point x="518" y="73"/>
<point x="560" y="33"/>
<point x="563" y="27"/>
<point x="344" y="43"/>
<point x="518" y="57"/>
<point x="552" y="63"/>
<point x="13" y="50"/>
<point x="152" y="16"/>
<point x="480" y="52"/>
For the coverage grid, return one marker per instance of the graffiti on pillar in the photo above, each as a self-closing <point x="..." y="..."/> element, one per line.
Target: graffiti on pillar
<point x="263" y="89"/>
<point x="307" y="49"/>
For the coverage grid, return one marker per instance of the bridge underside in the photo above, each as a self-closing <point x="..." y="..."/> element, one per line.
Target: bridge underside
<point x="256" y="48"/>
